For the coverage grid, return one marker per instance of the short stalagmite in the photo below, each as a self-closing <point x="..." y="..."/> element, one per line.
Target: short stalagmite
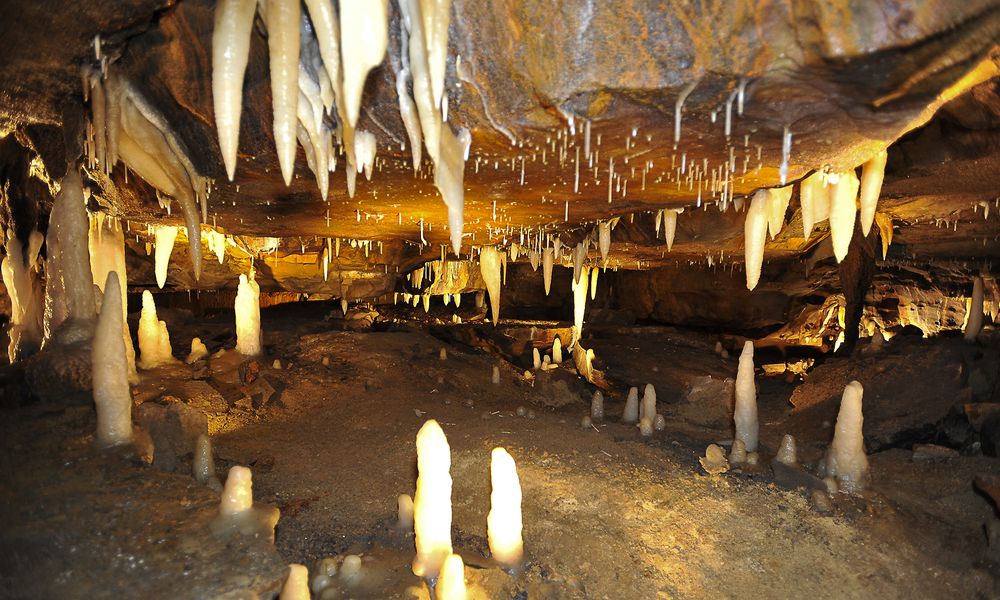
<point x="432" y="502"/>
<point x="110" y="371"/>
<point x="248" y="334"/>
<point x="504" y="521"/>
<point x="846" y="460"/>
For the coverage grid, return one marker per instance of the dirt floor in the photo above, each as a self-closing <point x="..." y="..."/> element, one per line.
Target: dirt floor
<point x="607" y="513"/>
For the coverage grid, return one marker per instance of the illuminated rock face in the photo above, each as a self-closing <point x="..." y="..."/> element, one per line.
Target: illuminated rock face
<point x="432" y="502"/>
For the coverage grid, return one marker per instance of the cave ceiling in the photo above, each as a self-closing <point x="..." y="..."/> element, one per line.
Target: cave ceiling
<point x="529" y="79"/>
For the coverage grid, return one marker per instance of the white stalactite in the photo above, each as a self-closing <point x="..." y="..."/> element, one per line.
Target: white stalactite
<point x="580" y="299"/>
<point x="670" y="227"/>
<point x="872" y="174"/>
<point x="548" y="260"/>
<point x="283" y="23"/>
<point x="364" y="35"/>
<point x="604" y="240"/>
<point x="777" y="204"/>
<point x="165" y="236"/>
<point x="230" y="52"/>
<point x="843" y="189"/>
<point x="754" y="237"/>
<point x="489" y="266"/>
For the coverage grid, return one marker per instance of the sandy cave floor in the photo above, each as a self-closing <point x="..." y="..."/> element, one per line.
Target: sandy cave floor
<point x="607" y="513"/>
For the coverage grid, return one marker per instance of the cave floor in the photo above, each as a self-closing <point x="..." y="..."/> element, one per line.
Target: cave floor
<point x="607" y="513"/>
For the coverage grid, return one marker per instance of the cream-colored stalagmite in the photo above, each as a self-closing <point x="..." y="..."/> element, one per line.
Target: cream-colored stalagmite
<point x="503" y="525"/>
<point x="198" y="351"/>
<point x="237" y="494"/>
<point x="297" y="584"/>
<point x="745" y="413"/>
<point x="557" y="355"/>
<point x="364" y="30"/>
<point x="248" y="333"/>
<point x="648" y="407"/>
<point x="845" y="459"/>
<point x="283" y="22"/>
<point x="631" y="412"/>
<point x="975" y="321"/>
<point x="777" y="204"/>
<point x="451" y="585"/>
<point x="109" y="370"/>
<point x="107" y="253"/>
<point x="68" y="232"/>
<point x="154" y="341"/>
<point x="230" y="52"/>
<point x="432" y="502"/>
<point x="788" y="453"/>
<point x="754" y="237"/>
<point x="203" y="465"/>
<point x="165" y="235"/>
<point x="404" y="512"/>
<point x="489" y="266"/>
<point x="843" y="189"/>
<point x="872" y="174"/>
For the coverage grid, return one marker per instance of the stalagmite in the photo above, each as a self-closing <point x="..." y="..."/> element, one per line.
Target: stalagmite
<point x="872" y="174"/>
<point x="787" y="453"/>
<point x="714" y="462"/>
<point x="504" y="520"/>
<point x="738" y="454"/>
<point x="754" y="237"/>
<point x="604" y="240"/>
<point x="247" y="307"/>
<point x="198" y="351"/>
<point x="297" y="584"/>
<point x="107" y="253"/>
<point x="237" y="494"/>
<point x="645" y="426"/>
<point x="548" y="260"/>
<point x="109" y="370"/>
<point x="745" y="414"/>
<point x="557" y="355"/>
<point x="283" y="22"/>
<point x="489" y="266"/>
<point x="154" y="341"/>
<point x="432" y="502"/>
<point x="845" y="459"/>
<point x="68" y="232"/>
<point x="597" y="406"/>
<point x="203" y="464"/>
<point x="404" y="509"/>
<point x="536" y="359"/>
<point x="777" y="204"/>
<point x="670" y="227"/>
<point x="230" y="51"/>
<point x="451" y="585"/>
<point x="580" y="299"/>
<point x="975" y="320"/>
<point x="843" y="189"/>
<point x="364" y="30"/>
<point x="495" y="377"/>
<point x="631" y="413"/>
<point x="165" y="236"/>
<point x="648" y="406"/>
